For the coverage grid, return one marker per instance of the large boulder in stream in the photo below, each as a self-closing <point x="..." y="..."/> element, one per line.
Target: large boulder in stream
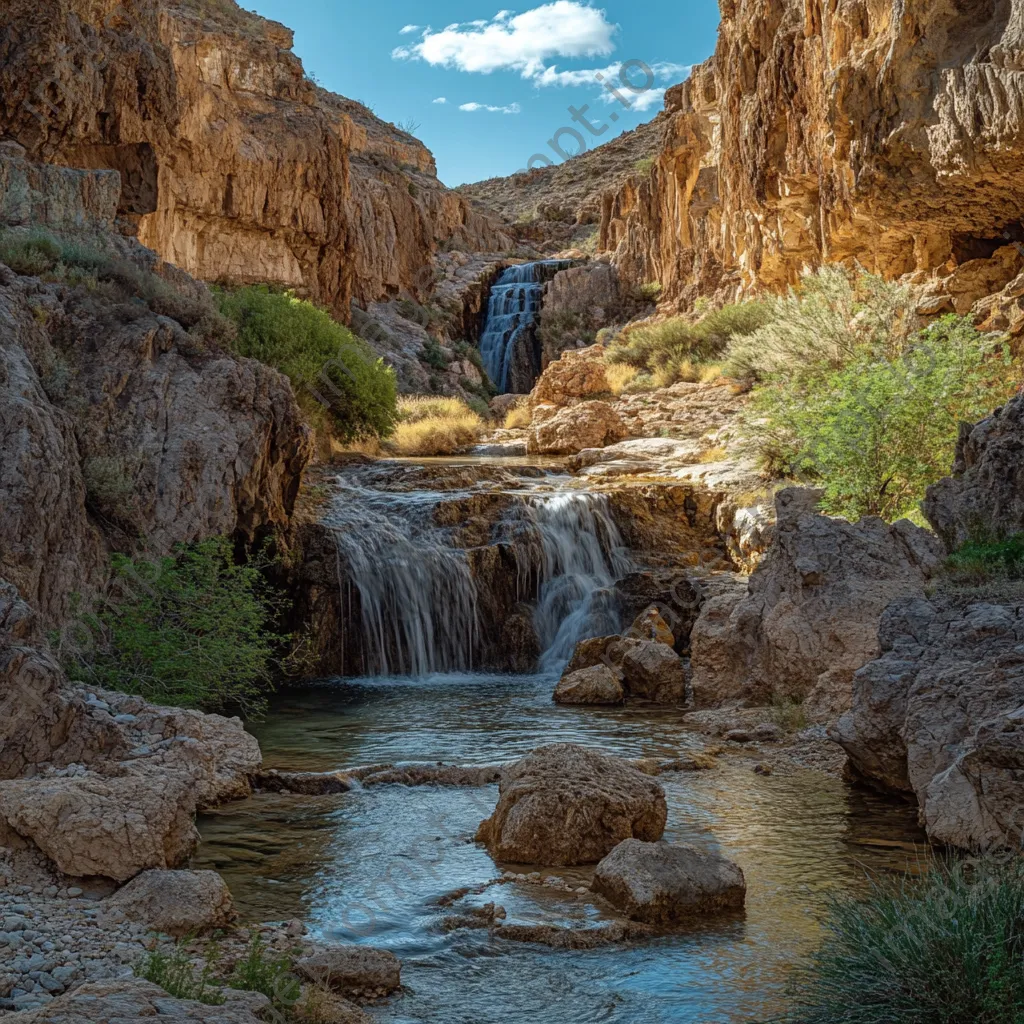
<point x="356" y="971"/>
<point x="644" y="668"/>
<point x="564" y="804"/>
<point x="665" y="883"/>
<point x="177" y="903"/>
<point x="595" y="685"/>
<point x="570" y="430"/>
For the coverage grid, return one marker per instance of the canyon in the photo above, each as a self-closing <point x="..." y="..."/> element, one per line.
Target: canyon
<point x="599" y="646"/>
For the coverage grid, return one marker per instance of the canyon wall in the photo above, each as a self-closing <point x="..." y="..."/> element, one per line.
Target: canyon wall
<point x="235" y="166"/>
<point x="878" y="131"/>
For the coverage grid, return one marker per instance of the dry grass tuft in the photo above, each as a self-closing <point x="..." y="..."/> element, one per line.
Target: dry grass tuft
<point x="620" y="376"/>
<point x="518" y="417"/>
<point x="434" y="426"/>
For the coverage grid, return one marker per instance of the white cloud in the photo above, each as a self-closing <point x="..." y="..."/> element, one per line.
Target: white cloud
<point x="613" y="75"/>
<point x="441" y="99"/>
<point x="649" y="99"/>
<point x="517" y="42"/>
<point x="408" y="30"/>
<point x="512" y="108"/>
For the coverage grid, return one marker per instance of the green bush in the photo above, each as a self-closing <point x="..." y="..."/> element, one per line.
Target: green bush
<point x="644" y="165"/>
<point x="174" y="973"/>
<point x="981" y="562"/>
<point x="193" y="630"/>
<point x="325" y="362"/>
<point x="876" y="432"/>
<point x="944" y="949"/>
<point x="32" y="253"/>
<point x="433" y="355"/>
<point x="261" y="971"/>
<point x="831" y="318"/>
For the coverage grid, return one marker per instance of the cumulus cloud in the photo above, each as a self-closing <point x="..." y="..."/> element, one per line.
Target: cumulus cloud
<point x="408" y="30"/>
<point x="517" y="42"/>
<point x="512" y="108"/>
<point x="613" y="75"/>
<point x="440" y="99"/>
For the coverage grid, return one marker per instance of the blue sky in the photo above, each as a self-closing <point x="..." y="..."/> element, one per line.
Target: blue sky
<point x="507" y="78"/>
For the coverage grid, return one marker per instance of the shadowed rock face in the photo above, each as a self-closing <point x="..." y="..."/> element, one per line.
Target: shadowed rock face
<point x="235" y="166"/>
<point x="825" y="131"/>
<point x="564" y="804"/>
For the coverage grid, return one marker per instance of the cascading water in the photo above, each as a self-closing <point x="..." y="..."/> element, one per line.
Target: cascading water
<point x="507" y="344"/>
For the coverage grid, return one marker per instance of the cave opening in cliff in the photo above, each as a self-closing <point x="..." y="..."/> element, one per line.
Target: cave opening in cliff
<point x="135" y="162"/>
<point x="983" y="247"/>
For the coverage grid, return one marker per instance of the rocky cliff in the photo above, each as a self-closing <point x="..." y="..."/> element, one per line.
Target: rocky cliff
<point x="837" y="130"/>
<point x="236" y="167"/>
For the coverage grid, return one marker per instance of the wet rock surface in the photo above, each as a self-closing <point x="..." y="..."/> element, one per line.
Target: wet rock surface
<point x="597" y="684"/>
<point x="357" y="971"/>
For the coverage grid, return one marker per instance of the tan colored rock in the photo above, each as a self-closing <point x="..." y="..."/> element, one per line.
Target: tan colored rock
<point x="809" y="618"/>
<point x="587" y="425"/>
<point x="357" y="971"/>
<point x="577" y="374"/>
<point x="668" y="883"/>
<point x="112" y="826"/>
<point x="176" y="903"/>
<point x="940" y="715"/>
<point x="649" y="625"/>
<point x="127" y="1002"/>
<point x="653" y="670"/>
<point x="595" y="685"/>
<point x="565" y="804"/>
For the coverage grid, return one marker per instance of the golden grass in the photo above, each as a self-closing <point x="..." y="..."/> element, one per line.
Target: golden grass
<point x="710" y="372"/>
<point x="620" y="376"/>
<point x="713" y="455"/>
<point x="433" y="426"/>
<point x="518" y="417"/>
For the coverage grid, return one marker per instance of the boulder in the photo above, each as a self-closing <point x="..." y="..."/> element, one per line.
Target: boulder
<point x="809" y="617"/>
<point x="984" y="496"/>
<point x="579" y="373"/>
<point x="175" y="902"/>
<point x="673" y="592"/>
<point x="355" y="971"/>
<point x="595" y="685"/>
<point x="112" y="826"/>
<point x="565" y="804"/>
<point x="666" y="883"/>
<point x="127" y="1002"/>
<point x="940" y="716"/>
<point x="570" y="430"/>
<point x="653" y="670"/>
<point x="650" y="625"/>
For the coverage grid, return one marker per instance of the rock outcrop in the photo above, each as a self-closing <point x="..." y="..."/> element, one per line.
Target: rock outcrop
<point x="983" y="498"/>
<point x="567" y="431"/>
<point x="668" y="883"/>
<point x="809" y="617"/>
<point x="597" y="684"/>
<point x="177" y="903"/>
<point x="940" y="716"/>
<point x="835" y="131"/>
<point x="356" y="971"/>
<point x="565" y="804"/>
<point x="236" y="166"/>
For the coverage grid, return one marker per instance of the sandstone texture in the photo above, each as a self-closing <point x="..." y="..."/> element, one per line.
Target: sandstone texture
<point x="940" y="716"/>
<point x="575" y="375"/>
<point x="358" y="971"/>
<point x="177" y="903"/>
<point x="565" y="804"/>
<point x="809" y="617"/>
<point x="590" y="424"/>
<point x="595" y="685"/>
<point x="983" y="498"/>
<point x="668" y="883"/>
<point x="649" y="669"/>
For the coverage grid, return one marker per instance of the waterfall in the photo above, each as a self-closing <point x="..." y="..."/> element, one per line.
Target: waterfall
<point x="507" y="343"/>
<point x="416" y="593"/>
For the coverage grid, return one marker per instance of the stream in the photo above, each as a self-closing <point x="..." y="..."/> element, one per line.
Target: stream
<point x="370" y="866"/>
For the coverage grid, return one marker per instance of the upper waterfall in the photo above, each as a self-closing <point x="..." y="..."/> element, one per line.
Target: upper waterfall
<point x="508" y="343"/>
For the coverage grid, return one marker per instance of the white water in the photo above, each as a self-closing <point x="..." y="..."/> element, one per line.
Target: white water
<point x="417" y="594"/>
<point x="512" y="311"/>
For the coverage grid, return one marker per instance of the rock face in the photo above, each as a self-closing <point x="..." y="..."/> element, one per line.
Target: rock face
<point x="809" y="618"/>
<point x="106" y="1002"/>
<point x="829" y="132"/>
<point x="359" y="971"/>
<point x="575" y="375"/>
<point x="236" y="166"/>
<point x="984" y="496"/>
<point x="570" y="430"/>
<point x="176" y="902"/>
<point x="564" y="804"/>
<point x="595" y="685"/>
<point x="940" y="715"/>
<point x="665" y="883"/>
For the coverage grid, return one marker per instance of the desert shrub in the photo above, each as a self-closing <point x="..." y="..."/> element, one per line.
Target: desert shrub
<point x="565" y="328"/>
<point x="620" y="376"/>
<point x="987" y="561"/>
<point x="876" y="432"/>
<point x="434" y="426"/>
<point x="338" y="380"/>
<point x="644" y="165"/>
<point x="32" y="253"/>
<point x="190" y="630"/>
<point x="833" y="317"/>
<point x="649" y="292"/>
<point x="433" y="355"/>
<point x="109" y="486"/>
<point x="947" y="948"/>
<point x="174" y="973"/>
<point x="260" y="970"/>
<point x="519" y="416"/>
<point x="674" y="349"/>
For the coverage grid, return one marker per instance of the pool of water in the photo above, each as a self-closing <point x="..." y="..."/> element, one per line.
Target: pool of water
<point x="370" y="865"/>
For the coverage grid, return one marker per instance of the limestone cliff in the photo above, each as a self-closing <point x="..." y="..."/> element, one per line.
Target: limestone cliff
<point x="837" y="130"/>
<point x="236" y="167"/>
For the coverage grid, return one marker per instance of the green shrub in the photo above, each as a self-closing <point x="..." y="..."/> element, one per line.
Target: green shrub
<point x="433" y="355"/>
<point x="193" y="630"/>
<point x="110" y="486"/>
<point x="980" y="562"/>
<point x="261" y="971"/>
<point x="32" y="253"/>
<point x="337" y="379"/>
<point x="174" y="973"/>
<point x="944" y="949"/>
<point x="876" y="432"/>
<point x="644" y="165"/>
<point x="830" y="319"/>
<point x="649" y="292"/>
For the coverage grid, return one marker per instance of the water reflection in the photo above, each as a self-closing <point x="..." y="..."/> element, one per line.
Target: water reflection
<point x="370" y="866"/>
